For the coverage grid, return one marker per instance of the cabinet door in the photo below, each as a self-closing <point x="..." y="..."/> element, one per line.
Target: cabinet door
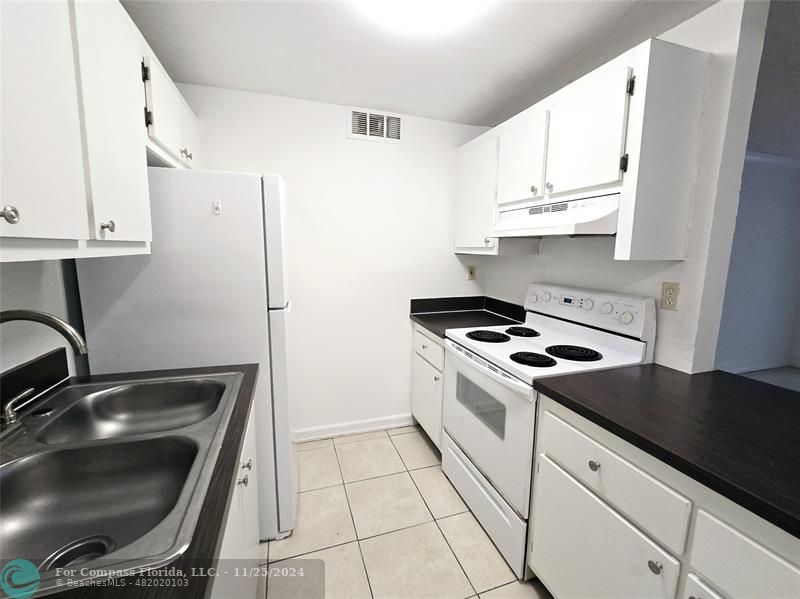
<point x="190" y="136"/>
<point x="520" y="169"/>
<point x="476" y="197"/>
<point x="41" y="167"/>
<point x="166" y="106"/>
<point x="583" y="548"/>
<point x="696" y="589"/>
<point x="110" y="62"/>
<point x="586" y="134"/>
<point x="426" y="398"/>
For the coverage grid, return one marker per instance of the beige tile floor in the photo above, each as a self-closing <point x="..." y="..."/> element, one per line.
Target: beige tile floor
<point x="376" y="508"/>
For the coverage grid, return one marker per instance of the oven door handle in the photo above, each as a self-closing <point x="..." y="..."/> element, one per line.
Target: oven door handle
<point x="506" y="381"/>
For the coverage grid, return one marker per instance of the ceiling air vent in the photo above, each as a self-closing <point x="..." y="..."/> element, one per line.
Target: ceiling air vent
<point x="373" y="126"/>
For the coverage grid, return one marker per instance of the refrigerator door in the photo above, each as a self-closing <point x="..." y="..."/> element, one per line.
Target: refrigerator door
<point x="274" y="189"/>
<point x="198" y="300"/>
<point x="285" y="470"/>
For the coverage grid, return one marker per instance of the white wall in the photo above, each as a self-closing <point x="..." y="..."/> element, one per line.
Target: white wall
<point x="34" y="286"/>
<point x="763" y="289"/>
<point x="686" y="339"/>
<point x="369" y="227"/>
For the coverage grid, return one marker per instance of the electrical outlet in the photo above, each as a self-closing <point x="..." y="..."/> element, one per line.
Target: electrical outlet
<point x="470" y="273"/>
<point x="669" y="295"/>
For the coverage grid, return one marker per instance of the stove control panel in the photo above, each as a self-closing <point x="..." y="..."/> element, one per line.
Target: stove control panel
<point x="626" y="314"/>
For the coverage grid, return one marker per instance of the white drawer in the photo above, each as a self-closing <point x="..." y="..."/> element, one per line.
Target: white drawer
<point x="656" y="508"/>
<point x="738" y="565"/>
<point x="506" y="529"/>
<point x="696" y="589"/>
<point x="429" y="349"/>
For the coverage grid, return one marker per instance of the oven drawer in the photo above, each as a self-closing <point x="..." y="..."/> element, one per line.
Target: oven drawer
<point x="649" y="503"/>
<point x="506" y="529"/>
<point x="429" y="349"/>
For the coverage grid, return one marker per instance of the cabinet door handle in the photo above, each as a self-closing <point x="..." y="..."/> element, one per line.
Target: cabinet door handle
<point x="248" y="465"/>
<point x="243" y="481"/>
<point x="655" y="567"/>
<point x="110" y="226"/>
<point x="534" y="189"/>
<point x="594" y="466"/>
<point x="423" y="346"/>
<point x="11" y="214"/>
<point x="487" y="241"/>
<point x="436" y="378"/>
<point x="549" y="188"/>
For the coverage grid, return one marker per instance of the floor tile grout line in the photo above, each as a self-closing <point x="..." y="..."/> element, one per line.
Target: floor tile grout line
<point x="450" y="547"/>
<point x="353" y="520"/>
<point x="299" y="444"/>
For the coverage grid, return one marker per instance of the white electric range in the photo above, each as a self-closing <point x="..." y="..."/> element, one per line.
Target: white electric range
<point x="489" y="406"/>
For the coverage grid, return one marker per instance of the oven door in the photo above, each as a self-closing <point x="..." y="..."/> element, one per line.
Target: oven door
<point x="490" y="415"/>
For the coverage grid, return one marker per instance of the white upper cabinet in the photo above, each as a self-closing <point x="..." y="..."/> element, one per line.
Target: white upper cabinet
<point x="476" y="193"/>
<point x="42" y="160"/>
<point x="173" y="125"/>
<point x="522" y="155"/>
<point x="586" y="137"/>
<point x="110" y="61"/>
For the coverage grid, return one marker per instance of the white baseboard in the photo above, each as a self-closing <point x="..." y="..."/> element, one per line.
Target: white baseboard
<point x="356" y="426"/>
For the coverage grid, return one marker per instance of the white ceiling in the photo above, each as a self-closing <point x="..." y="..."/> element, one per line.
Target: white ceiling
<point x="327" y="51"/>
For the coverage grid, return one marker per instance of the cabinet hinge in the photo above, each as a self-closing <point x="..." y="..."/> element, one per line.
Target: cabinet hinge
<point x="145" y="72"/>
<point x="631" y="85"/>
<point x="623" y="163"/>
<point x="148" y="117"/>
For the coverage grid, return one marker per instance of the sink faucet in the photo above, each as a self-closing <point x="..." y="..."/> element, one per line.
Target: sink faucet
<point x="54" y="322"/>
<point x="70" y="334"/>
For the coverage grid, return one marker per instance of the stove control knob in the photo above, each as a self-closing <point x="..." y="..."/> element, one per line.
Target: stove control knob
<point x="606" y="308"/>
<point x="546" y="297"/>
<point x="588" y="304"/>
<point x="626" y="318"/>
<point x="533" y="297"/>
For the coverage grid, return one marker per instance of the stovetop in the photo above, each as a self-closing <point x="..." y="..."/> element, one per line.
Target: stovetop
<point x="592" y="349"/>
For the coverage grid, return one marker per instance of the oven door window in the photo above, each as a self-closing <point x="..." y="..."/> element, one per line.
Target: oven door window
<point x="486" y="408"/>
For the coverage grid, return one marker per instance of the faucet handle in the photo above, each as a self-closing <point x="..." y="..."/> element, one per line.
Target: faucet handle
<point x="10" y="409"/>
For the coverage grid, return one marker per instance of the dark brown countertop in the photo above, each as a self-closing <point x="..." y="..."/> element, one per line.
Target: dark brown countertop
<point x="439" y="314"/>
<point x="207" y="537"/>
<point x="737" y="436"/>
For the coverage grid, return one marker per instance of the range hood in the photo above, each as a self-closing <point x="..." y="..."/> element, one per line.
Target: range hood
<point x="586" y="216"/>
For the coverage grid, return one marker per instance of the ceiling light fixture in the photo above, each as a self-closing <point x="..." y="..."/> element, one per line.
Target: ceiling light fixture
<point x="421" y="17"/>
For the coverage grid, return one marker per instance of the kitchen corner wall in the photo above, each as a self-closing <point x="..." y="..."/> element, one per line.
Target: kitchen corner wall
<point x="35" y="286"/>
<point x="732" y="31"/>
<point x="369" y="227"/>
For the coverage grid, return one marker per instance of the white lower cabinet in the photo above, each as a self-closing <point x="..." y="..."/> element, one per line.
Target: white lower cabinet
<point x="583" y="548"/>
<point x="241" y="547"/>
<point x="697" y="589"/>
<point x="427" y="384"/>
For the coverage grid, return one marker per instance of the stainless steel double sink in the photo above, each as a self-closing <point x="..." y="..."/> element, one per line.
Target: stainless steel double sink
<point x="111" y="476"/>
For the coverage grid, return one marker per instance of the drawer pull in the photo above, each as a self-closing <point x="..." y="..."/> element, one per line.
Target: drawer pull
<point x="655" y="567"/>
<point x="594" y="466"/>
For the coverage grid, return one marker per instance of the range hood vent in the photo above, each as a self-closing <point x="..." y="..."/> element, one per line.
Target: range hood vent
<point x="586" y="216"/>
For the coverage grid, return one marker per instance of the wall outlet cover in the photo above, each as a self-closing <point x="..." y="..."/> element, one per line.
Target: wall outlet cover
<point x="470" y="273"/>
<point x="669" y="295"/>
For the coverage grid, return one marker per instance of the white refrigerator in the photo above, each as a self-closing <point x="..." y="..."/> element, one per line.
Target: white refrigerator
<point x="214" y="291"/>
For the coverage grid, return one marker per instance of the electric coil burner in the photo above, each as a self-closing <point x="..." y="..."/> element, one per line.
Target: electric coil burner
<point x="528" y="358"/>
<point x="574" y="352"/>
<point x="488" y="336"/>
<point x="522" y="332"/>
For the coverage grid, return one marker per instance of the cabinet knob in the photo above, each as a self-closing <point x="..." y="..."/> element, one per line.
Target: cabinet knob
<point x="655" y="567"/>
<point x="11" y="214"/>
<point x="423" y="346"/>
<point x="186" y="153"/>
<point x="110" y="226"/>
<point x="534" y="189"/>
<point x="243" y="481"/>
<point x="549" y="188"/>
<point x="248" y="465"/>
<point x="594" y="466"/>
<point x="436" y="378"/>
<point x="487" y="241"/>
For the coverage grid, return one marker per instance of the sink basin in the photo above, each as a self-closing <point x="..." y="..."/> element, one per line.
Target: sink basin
<point x="70" y="506"/>
<point x="134" y="409"/>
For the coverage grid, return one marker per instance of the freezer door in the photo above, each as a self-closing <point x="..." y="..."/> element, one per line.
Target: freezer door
<point x="285" y="470"/>
<point x="275" y="232"/>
